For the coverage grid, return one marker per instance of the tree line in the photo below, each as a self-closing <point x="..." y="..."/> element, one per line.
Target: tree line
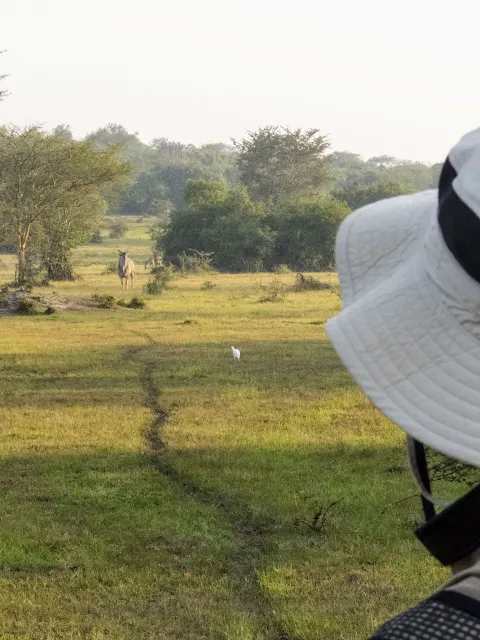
<point x="275" y="197"/>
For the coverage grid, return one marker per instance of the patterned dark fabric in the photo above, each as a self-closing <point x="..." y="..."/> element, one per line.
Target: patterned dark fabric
<point x="448" y="616"/>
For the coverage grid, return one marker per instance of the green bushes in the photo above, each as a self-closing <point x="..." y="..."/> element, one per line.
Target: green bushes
<point x="222" y="228"/>
<point x="160" y="278"/>
<point x="309" y="283"/>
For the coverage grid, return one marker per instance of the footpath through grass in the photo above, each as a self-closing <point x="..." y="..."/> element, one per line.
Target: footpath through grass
<point x="154" y="488"/>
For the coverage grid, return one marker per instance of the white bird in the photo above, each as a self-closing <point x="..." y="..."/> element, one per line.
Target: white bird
<point x="236" y="353"/>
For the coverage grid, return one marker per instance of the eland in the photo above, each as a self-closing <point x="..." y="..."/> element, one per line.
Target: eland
<point x="126" y="268"/>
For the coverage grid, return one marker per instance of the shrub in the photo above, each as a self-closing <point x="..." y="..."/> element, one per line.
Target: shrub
<point x="275" y="292"/>
<point x="118" y="229"/>
<point x="161" y="276"/>
<point x="111" y="267"/>
<point x="309" y="283"/>
<point x="96" y="238"/>
<point x="27" y="307"/>
<point x="104" y="301"/>
<point x="208" y="285"/>
<point x="195" y="261"/>
<point x="134" y="303"/>
<point x="49" y="311"/>
<point x="282" y="268"/>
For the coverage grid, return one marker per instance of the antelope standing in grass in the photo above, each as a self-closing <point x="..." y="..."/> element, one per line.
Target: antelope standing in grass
<point x="126" y="268"/>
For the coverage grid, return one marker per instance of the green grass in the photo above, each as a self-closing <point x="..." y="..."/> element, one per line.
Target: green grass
<point x="154" y="488"/>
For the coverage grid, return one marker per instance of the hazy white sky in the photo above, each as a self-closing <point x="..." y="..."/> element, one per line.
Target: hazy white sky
<point x="379" y="76"/>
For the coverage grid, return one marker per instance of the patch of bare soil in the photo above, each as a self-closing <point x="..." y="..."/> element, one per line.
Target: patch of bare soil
<point x="21" y="302"/>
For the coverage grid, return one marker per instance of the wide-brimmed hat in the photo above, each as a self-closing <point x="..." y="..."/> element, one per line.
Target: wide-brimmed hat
<point x="409" y="332"/>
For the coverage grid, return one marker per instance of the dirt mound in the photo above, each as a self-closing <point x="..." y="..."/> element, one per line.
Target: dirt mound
<point x="21" y="302"/>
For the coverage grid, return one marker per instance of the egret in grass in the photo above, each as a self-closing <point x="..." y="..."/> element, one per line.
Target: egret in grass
<point x="236" y="353"/>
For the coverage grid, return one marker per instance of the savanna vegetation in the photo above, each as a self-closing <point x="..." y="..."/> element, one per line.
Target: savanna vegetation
<point x="151" y="486"/>
<point x="276" y="197"/>
<point x="154" y="488"/>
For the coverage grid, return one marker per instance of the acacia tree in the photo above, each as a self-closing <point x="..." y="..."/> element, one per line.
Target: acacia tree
<point x="42" y="174"/>
<point x="359" y="195"/>
<point x="278" y="163"/>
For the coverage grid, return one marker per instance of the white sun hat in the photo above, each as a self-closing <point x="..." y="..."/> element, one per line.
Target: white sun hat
<point x="409" y="332"/>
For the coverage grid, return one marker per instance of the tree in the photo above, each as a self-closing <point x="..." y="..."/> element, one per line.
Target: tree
<point x="305" y="229"/>
<point x="350" y="169"/>
<point x="359" y="195"/>
<point x="118" y="229"/>
<point x="3" y="92"/>
<point x="63" y="131"/>
<point x="383" y="161"/>
<point x="204" y="193"/>
<point x="131" y="148"/>
<point x="42" y="174"/>
<point x="278" y="163"/>
<point x="222" y="220"/>
<point x="69" y="225"/>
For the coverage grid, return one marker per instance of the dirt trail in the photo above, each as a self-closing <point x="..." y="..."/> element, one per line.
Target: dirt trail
<point x="250" y="530"/>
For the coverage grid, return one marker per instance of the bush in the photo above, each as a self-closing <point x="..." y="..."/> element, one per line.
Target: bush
<point x="27" y="307"/>
<point x="134" y="303"/>
<point x="309" y="283"/>
<point x="275" y="292"/>
<point x="161" y="276"/>
<point x="118" y="229"/>
<point x="96" y="238"/>
<point x="195" y="261"/>
<point x="111" y="267"/>
<point x="104" y="301"/>
<point x="208" y="285"/>
<point x="305" y="231"/>
<point x="282" y="268"/>
<point x="49" y="311"/>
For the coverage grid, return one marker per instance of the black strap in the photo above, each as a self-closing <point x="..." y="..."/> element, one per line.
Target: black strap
<point x="421" y="458"/>
<point x="459" y="601"/>
<point x="455" y="532"/>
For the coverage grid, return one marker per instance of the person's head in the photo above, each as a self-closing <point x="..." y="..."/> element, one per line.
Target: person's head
<point x="409" y="332"/>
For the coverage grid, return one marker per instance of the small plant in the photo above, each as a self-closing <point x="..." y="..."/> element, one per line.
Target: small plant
<point x="118" y="229"/>
<point x="274" y="292"/>
<point x="50" y="311"/>
<point x="104" y="301"/>
<point x="208" y="284"/>
<point x="318" y="521"/>
<point x="96" y="238"/>
<point x="309" y="283"/>
<point x="4" y="296"/>
<point x="27" y="307"/>
<point x="161" y="276"/>
<point x="282" y="269"/>
<point x="195" y="261"/>
<point x="134" y="303"/>
<point x="111" y="267"/>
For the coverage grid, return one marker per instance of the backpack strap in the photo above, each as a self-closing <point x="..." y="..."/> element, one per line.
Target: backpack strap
<point x="459" y="601"/>
<point x="447" y="615"/>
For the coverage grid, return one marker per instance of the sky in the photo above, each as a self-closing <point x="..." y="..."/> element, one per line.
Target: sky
<point x="378" y="76"/>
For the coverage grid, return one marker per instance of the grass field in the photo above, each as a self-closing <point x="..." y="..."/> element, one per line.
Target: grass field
<point x="153" y="488"/>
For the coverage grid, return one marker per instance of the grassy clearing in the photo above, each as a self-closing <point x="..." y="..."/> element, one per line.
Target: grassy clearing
<point x="153" y="488"/>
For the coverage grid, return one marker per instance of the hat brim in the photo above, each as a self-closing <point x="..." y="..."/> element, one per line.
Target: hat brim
<point x="417" y="362"/>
